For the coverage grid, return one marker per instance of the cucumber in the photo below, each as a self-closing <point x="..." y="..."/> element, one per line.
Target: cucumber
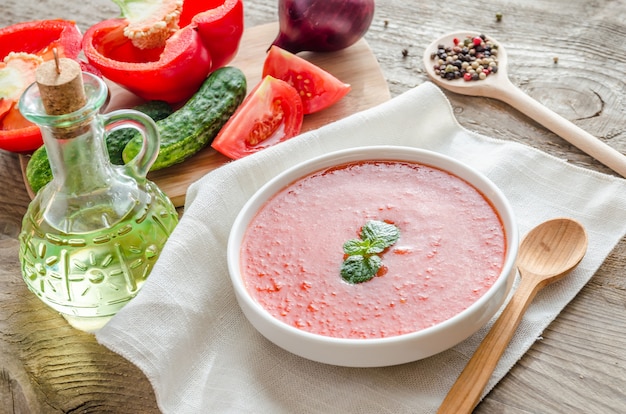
<point x="196" y="124"/>
<point x="38" y="172"/>
<point x="117" y="140"/>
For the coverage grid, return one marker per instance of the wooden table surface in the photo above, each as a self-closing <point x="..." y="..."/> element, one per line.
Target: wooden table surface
<point x="578" y="365"/>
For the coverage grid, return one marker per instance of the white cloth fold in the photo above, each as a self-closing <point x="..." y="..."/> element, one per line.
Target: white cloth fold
<point x="186" y="332"/>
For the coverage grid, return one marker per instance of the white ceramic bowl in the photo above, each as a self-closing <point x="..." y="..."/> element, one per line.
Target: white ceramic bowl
<point x="376" y="351"/>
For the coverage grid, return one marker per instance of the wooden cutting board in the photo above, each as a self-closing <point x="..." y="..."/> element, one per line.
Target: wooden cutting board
<point x="355" y="65"/>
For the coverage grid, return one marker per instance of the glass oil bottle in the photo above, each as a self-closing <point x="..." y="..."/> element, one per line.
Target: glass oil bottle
<point x="91" y="236"/>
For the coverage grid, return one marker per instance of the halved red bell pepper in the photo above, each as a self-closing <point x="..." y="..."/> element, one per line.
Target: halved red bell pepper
<point x="31" y="43"/>
<point x="208" y="37"/>
<point x="220" y="27"/>
<point x="39" y="37"/>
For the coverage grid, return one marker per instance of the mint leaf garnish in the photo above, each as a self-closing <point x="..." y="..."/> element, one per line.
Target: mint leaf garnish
<point x="379" y="232"/>
<point x="358" y="269"/>
<point x="363" y="261"/>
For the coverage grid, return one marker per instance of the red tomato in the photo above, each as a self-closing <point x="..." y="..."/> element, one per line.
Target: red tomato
<point x="270" y="114"/>
<point x="317" y="88"/>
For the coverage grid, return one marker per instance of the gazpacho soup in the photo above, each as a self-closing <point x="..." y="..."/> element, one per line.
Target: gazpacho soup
<point x="372" y="249"/>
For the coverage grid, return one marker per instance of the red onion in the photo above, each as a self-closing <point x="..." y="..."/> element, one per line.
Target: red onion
<point x="322" y="25"/>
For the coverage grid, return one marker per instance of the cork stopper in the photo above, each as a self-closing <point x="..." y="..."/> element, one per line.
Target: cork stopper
<point x="60" y="83"/>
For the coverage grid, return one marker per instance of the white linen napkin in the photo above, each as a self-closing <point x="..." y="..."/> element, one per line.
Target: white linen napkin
<point x="188" y="335"/>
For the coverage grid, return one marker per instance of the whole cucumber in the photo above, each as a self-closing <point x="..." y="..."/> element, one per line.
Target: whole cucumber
<point x="195" y="125"/>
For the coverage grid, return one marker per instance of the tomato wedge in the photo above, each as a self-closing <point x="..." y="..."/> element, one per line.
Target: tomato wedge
<point x="270" y="114"/>
<point x="318" y="89"/>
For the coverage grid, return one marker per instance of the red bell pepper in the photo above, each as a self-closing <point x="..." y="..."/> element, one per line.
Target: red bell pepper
<point x="220" y="27"/>
<point x="31" y="43"/>
<point x="206" y="37"/>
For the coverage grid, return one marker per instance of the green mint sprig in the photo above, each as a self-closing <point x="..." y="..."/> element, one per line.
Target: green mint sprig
<point x="363" y="261"/>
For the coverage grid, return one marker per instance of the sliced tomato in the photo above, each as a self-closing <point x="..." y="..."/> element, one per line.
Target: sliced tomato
<point x="318" y="89"/>
<point x="270" y="114"/>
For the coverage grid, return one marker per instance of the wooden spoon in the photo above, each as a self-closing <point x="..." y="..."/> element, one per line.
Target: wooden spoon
<point x="546" y="254"/>
<point x="498" y="86"/>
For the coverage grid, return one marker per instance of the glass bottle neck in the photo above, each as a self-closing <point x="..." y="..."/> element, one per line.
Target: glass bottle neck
<point x="78" y="157"/>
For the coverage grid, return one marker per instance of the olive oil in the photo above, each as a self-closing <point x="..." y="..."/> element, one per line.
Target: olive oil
<point x="94" y="274"/>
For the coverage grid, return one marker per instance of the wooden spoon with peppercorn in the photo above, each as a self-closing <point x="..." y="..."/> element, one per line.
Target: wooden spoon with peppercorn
<point x="476" y="65"/>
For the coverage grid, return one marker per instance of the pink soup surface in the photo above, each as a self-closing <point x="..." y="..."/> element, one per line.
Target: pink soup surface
<point x="450" y="251"/>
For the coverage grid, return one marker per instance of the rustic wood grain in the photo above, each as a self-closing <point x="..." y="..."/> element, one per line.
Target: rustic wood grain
<point x="579" y="363"/>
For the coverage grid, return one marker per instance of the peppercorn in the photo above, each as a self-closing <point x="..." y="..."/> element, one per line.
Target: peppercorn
<point x="473" y="58"/>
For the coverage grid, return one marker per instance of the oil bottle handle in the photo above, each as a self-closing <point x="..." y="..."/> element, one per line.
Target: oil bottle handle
<point x="130" y="118"/>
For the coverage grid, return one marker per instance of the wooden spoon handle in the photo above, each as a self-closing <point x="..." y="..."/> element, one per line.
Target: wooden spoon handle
<point x="466" y="391"/>
<point x="567" y="130"/>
